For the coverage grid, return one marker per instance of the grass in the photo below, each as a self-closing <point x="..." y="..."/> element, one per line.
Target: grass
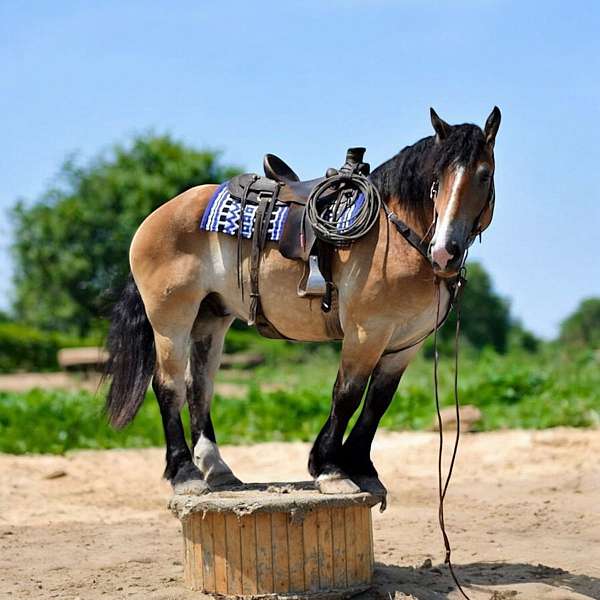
<point x="540" y="390"/>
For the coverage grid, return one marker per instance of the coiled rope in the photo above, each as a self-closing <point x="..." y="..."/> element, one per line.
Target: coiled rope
<point x="333" y="208"/>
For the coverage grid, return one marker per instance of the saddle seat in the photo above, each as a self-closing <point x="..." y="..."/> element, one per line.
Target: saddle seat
<point x="297" y="237"/>
<point x="293" y="190"/>
<point x="277" y="169"/>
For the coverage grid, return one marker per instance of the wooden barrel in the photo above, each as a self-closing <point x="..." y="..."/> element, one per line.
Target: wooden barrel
<point x="278" y="540"/>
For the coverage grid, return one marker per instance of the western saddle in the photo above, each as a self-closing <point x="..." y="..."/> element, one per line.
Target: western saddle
<point x="298" y="240"/>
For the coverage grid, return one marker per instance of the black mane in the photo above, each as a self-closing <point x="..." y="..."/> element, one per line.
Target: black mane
<point x="409" y="175"/>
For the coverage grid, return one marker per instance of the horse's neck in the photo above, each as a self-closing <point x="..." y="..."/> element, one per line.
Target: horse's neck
<point x="418" y="219"/>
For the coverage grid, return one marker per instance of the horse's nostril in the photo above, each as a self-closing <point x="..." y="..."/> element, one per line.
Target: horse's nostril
<point x="452" y="248"/>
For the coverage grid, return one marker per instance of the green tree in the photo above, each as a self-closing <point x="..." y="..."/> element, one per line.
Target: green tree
<point x="71" y="244"/>
<point x="582" y="328"/>
<point x="485" y="316"/>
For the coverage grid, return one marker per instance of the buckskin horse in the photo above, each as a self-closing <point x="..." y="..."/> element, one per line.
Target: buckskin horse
<point x="170" y="322"/>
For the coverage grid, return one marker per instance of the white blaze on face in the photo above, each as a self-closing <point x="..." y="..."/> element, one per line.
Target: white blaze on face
<point x="438" y="250"/>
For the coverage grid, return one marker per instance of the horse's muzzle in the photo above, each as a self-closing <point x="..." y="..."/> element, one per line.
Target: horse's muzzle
<point x="447" y="259"/>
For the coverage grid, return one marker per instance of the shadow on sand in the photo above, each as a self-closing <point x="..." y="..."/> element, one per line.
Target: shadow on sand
<point x="435" y="583"/>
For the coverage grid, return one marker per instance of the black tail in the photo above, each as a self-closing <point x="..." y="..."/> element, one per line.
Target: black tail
<point x="131" y="360"/>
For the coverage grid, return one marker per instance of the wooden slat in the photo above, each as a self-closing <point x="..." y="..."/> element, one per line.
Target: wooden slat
<point x="296" y="556"/>
<point x="371" y="546"/>
<point x="220" y="553"/>
<point x="338" y="530"/>
<point x="197" y="561"/>
<point x="248" y="535"/>
<point x="208" y="552"/>
<point x="281" y="567"/>
<point x="234" y="554"/>
<point x="187" y="551"/>
<point x="311" y="551"/>
<point x="264" y="554"/>
<point x="363" y="541"/>
<point x="351" y="570"/>
<point x="325" y="548"/>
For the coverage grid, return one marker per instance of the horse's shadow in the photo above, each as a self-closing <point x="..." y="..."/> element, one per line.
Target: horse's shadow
<point x="435" y="583"/>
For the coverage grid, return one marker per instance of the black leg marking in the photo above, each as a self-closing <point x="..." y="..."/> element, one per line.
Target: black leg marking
<point x="325" y="456"/>
<point x="204" y="359"/>
<point x="356" y="451"/>
<point x="197" y="397"/>
<point x="357" y="448"/>
<point x="180" y="469"/>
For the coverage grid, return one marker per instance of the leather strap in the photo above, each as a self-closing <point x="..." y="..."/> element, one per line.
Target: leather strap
<point x="259" y="236"/>
<point x="244" y="197"/>
<point x="410" y="236"/>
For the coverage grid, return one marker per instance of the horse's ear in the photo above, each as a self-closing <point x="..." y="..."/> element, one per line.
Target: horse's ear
<point x="491" y="126"/>
<point x="442" y="129"/>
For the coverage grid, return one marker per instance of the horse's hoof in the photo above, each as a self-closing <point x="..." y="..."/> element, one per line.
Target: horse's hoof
<point x="336" y="484"/>
<point x="223" y="481"/>
<point x="373" y="486"/>
<point x="191" y="487"/>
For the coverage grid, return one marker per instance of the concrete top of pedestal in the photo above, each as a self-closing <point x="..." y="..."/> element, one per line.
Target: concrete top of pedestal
<point x="294" y="497"/>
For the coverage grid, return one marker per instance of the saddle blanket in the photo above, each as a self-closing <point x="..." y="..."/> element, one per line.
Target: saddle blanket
<point x="223" y="215"/>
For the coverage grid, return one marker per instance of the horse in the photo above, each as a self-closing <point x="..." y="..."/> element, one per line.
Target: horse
<point x="169" y="325"/>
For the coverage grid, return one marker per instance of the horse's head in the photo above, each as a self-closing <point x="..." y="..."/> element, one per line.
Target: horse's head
<point x="462" y="190"/>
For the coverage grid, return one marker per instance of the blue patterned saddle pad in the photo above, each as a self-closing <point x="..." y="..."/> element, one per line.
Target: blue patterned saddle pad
<point x="223" y="215"/>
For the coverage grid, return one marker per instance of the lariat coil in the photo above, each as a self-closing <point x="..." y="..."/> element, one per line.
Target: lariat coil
<point x="345" y="206"/>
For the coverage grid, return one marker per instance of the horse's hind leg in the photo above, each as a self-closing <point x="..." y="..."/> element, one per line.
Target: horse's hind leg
<point x="172" y="313"/>
<point x="170" y="389"/>
<point x="205" y="357"/>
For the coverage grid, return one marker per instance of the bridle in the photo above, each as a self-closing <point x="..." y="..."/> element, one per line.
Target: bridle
<point x="423" y="244"/>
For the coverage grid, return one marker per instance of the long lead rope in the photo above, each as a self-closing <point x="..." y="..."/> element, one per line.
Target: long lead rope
<point x="443" y="488"/>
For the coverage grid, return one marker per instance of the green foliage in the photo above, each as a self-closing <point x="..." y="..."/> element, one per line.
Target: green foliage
<point x="512" y="390"/>
<point x="24" y="348"/>
<point x="71" y="244"/>
<point x="582" y="328"/>
<point x="53" y="422"/>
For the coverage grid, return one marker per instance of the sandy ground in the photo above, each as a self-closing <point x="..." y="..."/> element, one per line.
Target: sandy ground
<point x="523" y="514"/>
<point x="23" y="382"/>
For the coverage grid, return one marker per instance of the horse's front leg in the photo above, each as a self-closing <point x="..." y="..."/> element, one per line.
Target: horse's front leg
<point x="325" y="461"/>
<point x="356" y="452"/>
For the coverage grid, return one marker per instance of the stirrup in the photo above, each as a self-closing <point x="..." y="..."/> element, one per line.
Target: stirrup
<point x="312" y="283"/>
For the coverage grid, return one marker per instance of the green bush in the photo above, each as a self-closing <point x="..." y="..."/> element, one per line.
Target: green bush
<point x="24" y="348"/>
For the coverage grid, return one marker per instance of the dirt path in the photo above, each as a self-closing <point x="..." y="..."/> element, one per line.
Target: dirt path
<point x="523" y="514"/>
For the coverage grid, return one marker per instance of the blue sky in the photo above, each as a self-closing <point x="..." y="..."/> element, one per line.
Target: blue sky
<point x="308" y="79"/>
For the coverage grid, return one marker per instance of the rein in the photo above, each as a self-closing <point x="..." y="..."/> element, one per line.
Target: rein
<point x="456" y="287"/>
<point x="443" y="487"/>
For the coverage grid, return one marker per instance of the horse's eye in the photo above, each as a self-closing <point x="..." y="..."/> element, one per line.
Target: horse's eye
<point x="484" y="175"/>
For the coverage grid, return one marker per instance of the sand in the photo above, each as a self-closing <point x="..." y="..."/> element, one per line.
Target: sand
<point x="523" y="515"/>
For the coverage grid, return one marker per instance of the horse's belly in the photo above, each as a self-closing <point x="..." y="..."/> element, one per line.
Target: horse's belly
<point x="296" y="317"/>
<point x="299" y="318"/>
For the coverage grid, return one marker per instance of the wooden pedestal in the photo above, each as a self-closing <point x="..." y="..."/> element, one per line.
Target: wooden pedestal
<point x="280" y="540"/>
